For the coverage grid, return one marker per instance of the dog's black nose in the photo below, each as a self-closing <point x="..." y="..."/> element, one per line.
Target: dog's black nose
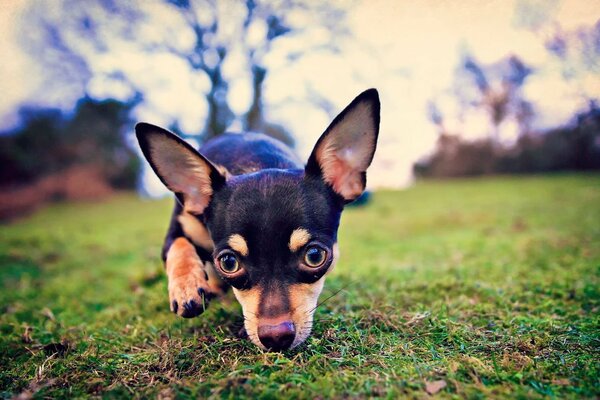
<point x="277" y="337"/>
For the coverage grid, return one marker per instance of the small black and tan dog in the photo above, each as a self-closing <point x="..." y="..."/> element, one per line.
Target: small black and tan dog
<point x="249" y="215"/>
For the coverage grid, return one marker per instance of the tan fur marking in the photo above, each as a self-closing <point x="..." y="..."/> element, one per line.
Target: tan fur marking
<point x="238" y="243"/>
<point x="303" y="301"/>
<point x="336" y="257"/>
<point x="222" y="170"/>
<point x="196" y="231"/>
<point x="298" y="239"/>
<point x="249" y="299"/>
<point x="181" y="258"/>
<point x="185" y="273"/>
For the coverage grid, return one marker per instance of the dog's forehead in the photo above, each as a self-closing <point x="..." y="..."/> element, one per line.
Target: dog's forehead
<point x="266" y="207"/>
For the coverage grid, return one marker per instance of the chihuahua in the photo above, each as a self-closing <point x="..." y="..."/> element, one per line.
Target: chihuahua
<point x="248" y="214"/>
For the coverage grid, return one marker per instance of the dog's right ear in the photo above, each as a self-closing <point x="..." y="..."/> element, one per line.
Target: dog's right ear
<point x="344" y="152"/>
<point x="179" y="166"/>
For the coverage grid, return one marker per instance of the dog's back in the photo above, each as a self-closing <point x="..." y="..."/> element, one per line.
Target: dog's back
<point x="249" y="152"/>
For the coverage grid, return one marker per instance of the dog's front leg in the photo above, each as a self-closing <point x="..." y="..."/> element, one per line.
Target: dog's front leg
<point x="191" y="283"/>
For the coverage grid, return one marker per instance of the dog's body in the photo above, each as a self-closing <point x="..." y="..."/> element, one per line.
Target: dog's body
<point x="254" y="218"/>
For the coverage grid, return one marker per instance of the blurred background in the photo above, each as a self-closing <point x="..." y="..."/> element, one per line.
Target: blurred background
<point x="467" y="88"/>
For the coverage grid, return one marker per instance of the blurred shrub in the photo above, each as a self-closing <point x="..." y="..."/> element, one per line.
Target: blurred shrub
<point x="49" y="142"/>
<point x="574" y="147"/>
<point x="54" y="156"/>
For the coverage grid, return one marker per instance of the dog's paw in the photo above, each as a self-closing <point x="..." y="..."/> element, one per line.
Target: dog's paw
<point x="190" y="294"/>
<point x="191" y="284"/>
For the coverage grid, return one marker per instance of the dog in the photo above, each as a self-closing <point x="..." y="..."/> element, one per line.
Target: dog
<point x="251" y="216"/>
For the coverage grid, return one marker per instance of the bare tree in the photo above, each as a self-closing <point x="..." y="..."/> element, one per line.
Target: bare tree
<point x="576" y="50"/>
<point x="203" y="33"/>
<point x="495" y="88"/>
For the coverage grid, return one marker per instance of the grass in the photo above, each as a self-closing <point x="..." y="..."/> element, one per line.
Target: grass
<point x="483" y="288"/>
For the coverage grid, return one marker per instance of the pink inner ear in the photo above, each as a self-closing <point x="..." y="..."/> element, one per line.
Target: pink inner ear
<point x="346" y="149"/>
<point x="196" y="203"/>
<point x="183" y="172"/>
<point x="345" y="179"/>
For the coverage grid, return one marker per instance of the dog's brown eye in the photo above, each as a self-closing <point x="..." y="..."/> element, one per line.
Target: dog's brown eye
<point x="229" y="263"/>
<point x="315" y="256"/>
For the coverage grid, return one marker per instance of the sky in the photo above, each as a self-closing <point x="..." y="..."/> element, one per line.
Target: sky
<point x="408" y="50"/>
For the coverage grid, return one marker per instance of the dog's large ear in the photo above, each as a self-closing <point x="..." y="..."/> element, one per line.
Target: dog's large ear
<point x="344" y="152"/>
<point x="179" y="166"/>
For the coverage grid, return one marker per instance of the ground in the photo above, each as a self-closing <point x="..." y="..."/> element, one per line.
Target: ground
<point x="467" y="288"/>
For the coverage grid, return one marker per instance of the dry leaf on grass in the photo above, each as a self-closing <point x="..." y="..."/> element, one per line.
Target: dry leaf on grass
<point x="33" y="388"/>
<point x="46" y="312"/>
<point x="417" y="318"/>
<point x="26" y="337"/>
<point x="432" y="387"/>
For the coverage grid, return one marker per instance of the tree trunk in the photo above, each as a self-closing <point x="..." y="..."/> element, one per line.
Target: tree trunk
<point x="254" y="118"/>
<point x="219" y="114"/>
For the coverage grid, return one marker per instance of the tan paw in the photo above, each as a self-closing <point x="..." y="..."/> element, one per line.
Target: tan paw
<point x="189" y="287"/>
<point x="189" y="295"/>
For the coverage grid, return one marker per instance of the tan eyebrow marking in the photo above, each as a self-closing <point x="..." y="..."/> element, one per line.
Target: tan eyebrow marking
<point x="298" y="239"/>
<point x="238" y="243"/>
<point x="223" y="171"/>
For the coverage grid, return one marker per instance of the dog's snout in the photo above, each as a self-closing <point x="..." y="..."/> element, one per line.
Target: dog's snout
<point x="277" y="337"/>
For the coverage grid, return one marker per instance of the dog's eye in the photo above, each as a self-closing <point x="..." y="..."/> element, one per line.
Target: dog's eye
<point x="229" y="263"/>
<point x="315" y="256"/>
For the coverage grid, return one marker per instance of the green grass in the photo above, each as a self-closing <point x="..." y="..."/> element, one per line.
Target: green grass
<point x="492" y="286"/>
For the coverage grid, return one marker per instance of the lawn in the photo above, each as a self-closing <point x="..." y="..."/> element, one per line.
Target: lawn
<point x="469" y="288"/>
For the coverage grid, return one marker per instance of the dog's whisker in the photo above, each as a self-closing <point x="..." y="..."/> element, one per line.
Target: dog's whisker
<point x="311" y="310"/>
<point x="333" y="295"/>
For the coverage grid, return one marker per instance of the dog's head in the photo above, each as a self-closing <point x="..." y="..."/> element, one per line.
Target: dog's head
<point x="274" y="231"/>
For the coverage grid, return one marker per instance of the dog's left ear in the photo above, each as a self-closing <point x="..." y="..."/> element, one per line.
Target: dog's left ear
<point x="180" y="167"/>
<point x="344" y="152"/>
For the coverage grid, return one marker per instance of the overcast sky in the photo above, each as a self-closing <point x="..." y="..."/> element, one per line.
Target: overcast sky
<point x="409" y="50"/>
